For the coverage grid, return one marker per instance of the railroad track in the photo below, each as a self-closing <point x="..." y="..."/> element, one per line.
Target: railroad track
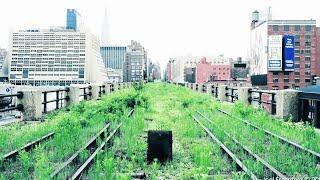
<point x="282" y="139"/>
<point x="28" y="147"/>
<point x="270" y="171"/>
<point x="94" y="149"/>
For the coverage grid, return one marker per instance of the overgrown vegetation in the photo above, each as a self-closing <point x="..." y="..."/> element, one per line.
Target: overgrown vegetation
<point x="303" y="134"/>
<point x="194" y="155"/>
<point x="72" y="130"/>
<point x="159" y="106"/>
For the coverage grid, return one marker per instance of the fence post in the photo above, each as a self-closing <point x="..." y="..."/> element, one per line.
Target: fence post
<point x="115" y="86"/>
<point x="95" y="91"/>
<point x="222" y="93"/>
<point x="107" y="88"/>
<point x="200" y="88"/>
<point x="121" y="86"/>
<point x="243" y="94"/>
<point x="32" y="105"/>
<point x="287" y="104"/>
<point x="74" y="95"/>
<point x="209" y="89"/>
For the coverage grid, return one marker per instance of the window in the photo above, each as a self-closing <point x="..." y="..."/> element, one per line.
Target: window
<point x="297" y="80"/>
<point x="307" y="28"/>
<point x="297" y="43"/>
<point x="308" y="80"/>
<point x="275" y="73"/>
<point x="286" y="73"/>
<point x="296" y="65"/>
<point x="297" y="27"/>
<point x="297" y="73"/>
<point x="286" y="87"/>
<point x="308" y="44"/>
<point x="307" y="73"/>
<point x="307" y="37"/>
<point x="297" y="58"/>
<point x="308" y="65"/>
<point x="275" y="80"/>
<point x="308" y="51"/>
<point x="286" y="27"/>
<point x="297" y="37"/>
<point x="25" y="73"/>
<point x="308" y="58"/>
<point x="286" y="80"/>
<point x="81" y="73"/>
<point x="275" y="28"/>
<point x="297" y="51"/>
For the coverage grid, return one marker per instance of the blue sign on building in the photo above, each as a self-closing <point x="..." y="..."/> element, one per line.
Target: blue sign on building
<point x="288" y="53"/>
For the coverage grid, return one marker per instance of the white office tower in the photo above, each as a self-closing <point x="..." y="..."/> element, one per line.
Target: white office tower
<point x="56" y="56"/>
<point x="105" y="35"/>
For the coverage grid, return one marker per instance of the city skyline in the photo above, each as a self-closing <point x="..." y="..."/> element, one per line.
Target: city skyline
<point x="166" y="28"/>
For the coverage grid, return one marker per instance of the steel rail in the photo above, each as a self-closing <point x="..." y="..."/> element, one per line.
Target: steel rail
<point x="291" y="143"/>
<point x="249" y="152"/>
<point x="76" y="155"/>
<point x="227" y="151"/>
<point x="28" y="147"/>
<point x="90" y="144"/>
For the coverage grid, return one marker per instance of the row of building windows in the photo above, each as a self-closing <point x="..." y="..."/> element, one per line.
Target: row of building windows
<point x="46" y="82"/>
<point x="46" y="69"/>
<point x="55" y="55"/>
<point x="47" y="47"/>
<point x="49" y="35"/>
<point x="52" y="51"/>
<point x="297" y="28"/>
<point x="307" y="58"/>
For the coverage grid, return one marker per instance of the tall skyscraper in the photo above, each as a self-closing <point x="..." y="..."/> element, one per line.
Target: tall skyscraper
<point x="73" y="19"/>
<point x="135" y="66"/>
<point x="114" y="58"/>
<point x="105" y="35"/>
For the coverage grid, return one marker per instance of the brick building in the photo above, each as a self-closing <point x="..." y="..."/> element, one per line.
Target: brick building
<point x="306" y="61"/>
<point x="306" y="57"/>
<point x="208" y="72"/>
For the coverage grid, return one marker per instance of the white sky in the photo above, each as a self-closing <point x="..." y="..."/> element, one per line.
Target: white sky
<point x="166" y="28"/>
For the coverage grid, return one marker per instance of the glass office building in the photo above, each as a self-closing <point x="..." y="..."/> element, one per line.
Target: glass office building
<point x="113" y="56"/>
<point x="73" y="19"/>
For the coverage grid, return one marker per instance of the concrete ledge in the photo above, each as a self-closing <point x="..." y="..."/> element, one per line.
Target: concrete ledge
<point x="287" y="104"/>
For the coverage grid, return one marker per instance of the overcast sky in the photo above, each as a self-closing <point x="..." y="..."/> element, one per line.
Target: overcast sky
<point x="166" y="28"/>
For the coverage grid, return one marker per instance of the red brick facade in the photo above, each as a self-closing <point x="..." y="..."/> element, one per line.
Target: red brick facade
<point x="306" y="57"/>
<point x="206" y="72"/>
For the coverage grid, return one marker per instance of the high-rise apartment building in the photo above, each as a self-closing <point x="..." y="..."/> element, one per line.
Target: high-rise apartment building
<point x="306" y="58"/>
<point x="135" y="66"/>
<point x="55" y="57"/>
<point x="73" y="19"/>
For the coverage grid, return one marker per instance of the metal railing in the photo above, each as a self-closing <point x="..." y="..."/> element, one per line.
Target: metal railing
<point x="6" y="102"/>
<point x="58" y="100"/>
<point x="214" y="91"/>
<point x="86" y="92"/>
<point x="111" y="87"/>
<point x="257" y="96"/>
<point x="232" y="94"/>
<point x="204" y="88"/>
<point x="309" y="108"/>
<point x="102" y="90"/>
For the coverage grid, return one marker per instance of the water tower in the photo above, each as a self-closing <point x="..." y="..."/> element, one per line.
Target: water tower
<point x="255" y="16"/>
